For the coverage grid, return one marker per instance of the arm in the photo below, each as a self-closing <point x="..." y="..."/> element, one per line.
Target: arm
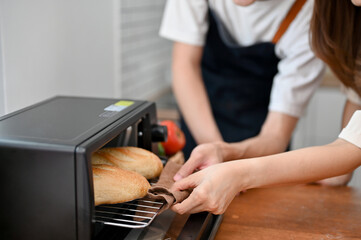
<point x="273" y="138"/>
<point x="216" y="186"/>
<point x="348" y="110"/>
<point x="307" y="165"/>
<point x="300" y="73"/>
<point x="190" y="93"/>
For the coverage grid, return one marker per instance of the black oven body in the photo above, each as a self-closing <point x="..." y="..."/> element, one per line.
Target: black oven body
<point x="45" y="169"/>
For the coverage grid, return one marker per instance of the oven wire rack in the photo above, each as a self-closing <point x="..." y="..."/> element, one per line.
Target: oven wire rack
<point x="138" y="213"/>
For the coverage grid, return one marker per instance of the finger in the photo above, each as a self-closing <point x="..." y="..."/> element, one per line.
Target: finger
<point x="195" y="209"/>
<point x="187" y="206"/>
<point x="186" y="183"/>
<point x="186" y="170"/>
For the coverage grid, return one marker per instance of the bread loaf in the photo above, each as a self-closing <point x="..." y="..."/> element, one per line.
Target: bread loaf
<point x="114" y="185"/>
<point x="134" y="159"/>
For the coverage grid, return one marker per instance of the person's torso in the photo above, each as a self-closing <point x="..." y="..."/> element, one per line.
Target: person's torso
<point x="252" y="24"/>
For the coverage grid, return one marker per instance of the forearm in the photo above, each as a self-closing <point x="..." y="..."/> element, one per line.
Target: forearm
<point x="300" y="166"/>
<point x="258" y="146"/>
<point x="273" y="138"/>
<point x="191" y="95"/>
<point x="214" y="187"/>
<point x="348" y="111"/>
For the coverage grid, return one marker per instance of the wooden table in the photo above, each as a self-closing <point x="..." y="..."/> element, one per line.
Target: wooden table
<point x="298" y="212"/>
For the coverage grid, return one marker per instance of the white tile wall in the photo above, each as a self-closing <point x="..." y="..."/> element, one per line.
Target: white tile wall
<point x="145" y="57"/>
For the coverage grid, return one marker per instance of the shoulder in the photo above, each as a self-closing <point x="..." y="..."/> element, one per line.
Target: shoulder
<point x="186" y="7"/>
<point x="303" y="18"/>
<point x="185" y="21"/>
<point x="297" y="36"/>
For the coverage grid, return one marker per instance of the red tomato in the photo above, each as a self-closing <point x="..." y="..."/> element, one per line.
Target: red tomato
<point x="176" y="139"/>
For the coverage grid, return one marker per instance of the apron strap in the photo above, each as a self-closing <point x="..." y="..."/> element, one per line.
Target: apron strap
<point x="291" y="15"/>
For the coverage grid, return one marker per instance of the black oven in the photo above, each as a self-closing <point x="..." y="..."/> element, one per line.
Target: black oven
<point x="45" y="170"/>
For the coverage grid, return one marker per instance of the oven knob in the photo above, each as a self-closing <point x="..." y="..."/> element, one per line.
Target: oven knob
<point x="159" y="133"/>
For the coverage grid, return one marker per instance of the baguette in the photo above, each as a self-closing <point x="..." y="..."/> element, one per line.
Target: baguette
<point x="114" y="185"/>
<point x="134" y="159"/>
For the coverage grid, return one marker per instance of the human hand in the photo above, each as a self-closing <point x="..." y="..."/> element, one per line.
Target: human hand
<point x="214" y="189"/>
<point x="202" y="156"/>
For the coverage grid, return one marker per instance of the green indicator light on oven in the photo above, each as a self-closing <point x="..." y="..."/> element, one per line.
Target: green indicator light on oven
<point x="124" y="103"/>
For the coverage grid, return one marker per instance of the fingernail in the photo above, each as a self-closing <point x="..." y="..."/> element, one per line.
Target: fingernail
<point x="177" y="177"/>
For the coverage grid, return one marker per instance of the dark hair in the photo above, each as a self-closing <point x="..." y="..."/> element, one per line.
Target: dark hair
<point x="336" y="39"/>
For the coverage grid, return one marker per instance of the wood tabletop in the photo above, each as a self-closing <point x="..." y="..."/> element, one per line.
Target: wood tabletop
<point x="299" y="212"/>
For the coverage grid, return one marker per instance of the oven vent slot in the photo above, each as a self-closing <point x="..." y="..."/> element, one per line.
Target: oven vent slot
<point x="135" y="214"/>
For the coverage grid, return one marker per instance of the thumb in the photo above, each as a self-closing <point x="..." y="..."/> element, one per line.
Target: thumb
<point x="186" y="170"/>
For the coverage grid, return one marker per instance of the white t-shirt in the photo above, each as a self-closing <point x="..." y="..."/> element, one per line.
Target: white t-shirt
<point x="299" y="71"/>
<point x="352" y="132"/>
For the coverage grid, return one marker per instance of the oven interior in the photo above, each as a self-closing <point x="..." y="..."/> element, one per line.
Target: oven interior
<point x="121" y="219"/>
<point x="138" y="219"/>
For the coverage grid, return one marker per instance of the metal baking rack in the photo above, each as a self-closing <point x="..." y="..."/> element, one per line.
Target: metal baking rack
<point x="134" y="214"/>
<point x="138" y="213"/>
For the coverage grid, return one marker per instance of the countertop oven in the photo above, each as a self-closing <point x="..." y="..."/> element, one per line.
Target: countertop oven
<point x="45" y="170"/>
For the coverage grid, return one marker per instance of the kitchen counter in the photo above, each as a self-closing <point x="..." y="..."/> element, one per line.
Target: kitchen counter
<point x="299" y="212"/>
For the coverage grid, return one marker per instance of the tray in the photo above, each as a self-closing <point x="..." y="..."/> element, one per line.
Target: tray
<point x="134" y="214"/>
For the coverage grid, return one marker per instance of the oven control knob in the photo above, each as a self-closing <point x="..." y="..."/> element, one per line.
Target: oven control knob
<point x="159" y="133"/>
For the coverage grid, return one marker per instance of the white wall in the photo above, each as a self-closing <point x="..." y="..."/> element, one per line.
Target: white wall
<point x="2" y="89"/>
<point x="321" y="123"/>
<point x="57" y="47"/>
<point x="107" y="48"/>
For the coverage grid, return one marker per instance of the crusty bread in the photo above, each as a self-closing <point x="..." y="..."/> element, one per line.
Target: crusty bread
<point x="114" y="185"/>
<point x="134" y="159"/>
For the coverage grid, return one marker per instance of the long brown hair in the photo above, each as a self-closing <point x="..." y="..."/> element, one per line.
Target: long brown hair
<point x="336" y="39"/>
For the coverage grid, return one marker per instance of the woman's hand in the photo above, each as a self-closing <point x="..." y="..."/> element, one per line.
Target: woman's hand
<point x="202" y="156"/>
<point x="213" y="189"/>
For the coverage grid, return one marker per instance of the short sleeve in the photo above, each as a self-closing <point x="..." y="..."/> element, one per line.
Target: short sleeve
<point x="352" y="132"/>
<point x="351" y="95"/>
<point x="185" y="21"/>
<point x="299" y="71"/>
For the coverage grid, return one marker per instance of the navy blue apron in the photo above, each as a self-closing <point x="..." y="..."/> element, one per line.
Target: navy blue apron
<point x="238" y="81"/>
